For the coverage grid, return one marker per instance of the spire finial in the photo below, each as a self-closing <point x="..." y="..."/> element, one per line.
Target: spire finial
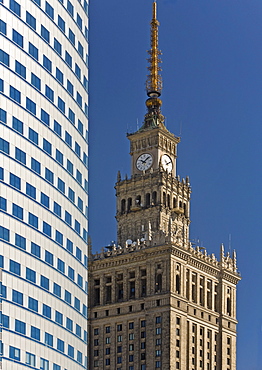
<point x="154" y="80"/>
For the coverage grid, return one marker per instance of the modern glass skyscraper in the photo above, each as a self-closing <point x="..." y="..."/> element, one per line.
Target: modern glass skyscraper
<point x="43" y="183"/>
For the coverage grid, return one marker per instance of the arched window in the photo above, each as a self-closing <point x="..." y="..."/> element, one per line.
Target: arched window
<point x="228" y="306"/>
<point x="180" y="204"/>
<point x="123" y="205"/>
<point x="159" y="283"/>
<point x="164" y="198"/>
<point x="138" y="200"/>
<point x="147" y="200"/>
<point x="168" y="200"/>
<point x="174" y="202"/>
<point x="154" y="198"/>
<point x="184" y="205"/>
<point x="177" y="284"/>
<point x="129" y="204"/>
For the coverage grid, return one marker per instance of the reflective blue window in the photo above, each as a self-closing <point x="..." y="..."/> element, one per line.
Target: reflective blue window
<point x="47" y="63"/>
<point x="78" y="254"/>
<point x="44" y="282"/>
<point x="77" y="149"/>
<point x="61" y="185"/>
<point x="45" y="200"/>
<point x="35" y="166"/>
<point x="57" y="46"/>
<point x="84" y="234"/>
<point x="61" y="23"/>
<point x="14" y="353"/>
<point x="4" y="146"/>
<point x="84" y="310"/>
<point x="70" y="8"/>
<point x="67" y="297"/>
<point x="15" y="267"/>
<point x="85" y="260"/>
<point x="5" y="321"/>
<point x="45" y="117"/>
<point x="70" y="88"/>
<point x="36" y="250"/>
<point x="20" y="155"/>
<point x="49" y="93"/>
<point x="30" y="20"/>
<point x="35" y="81"/>
<point x="31" y="106"/>
<point x="20" y="69"/>
<point x="18" y="125"/>
<point x="57" y="128"/>
<point x="49" y="10"/>
<point x="31" y="190"/>
<point x="59" y="157"/>
<point x="61" y="104"/>
<point x="60" y="345"/>
<point x="59" y="237"/>
<point x="20" y="326"/>
<point x="3" y="203"/>
<point x="17" y="297"/>
<point x="71" y="273"/>
<point x="2" y="27"/>
<point x="33" y="304"/>
<point x="71" y="195"/>
<point x="79" y="357"/>
<point x="68" y="218"/>
<point x="78" y="71"/>
<point x="49" y="339"/>
<point x="33" y="135"/>
<point x="68" y="138"/>
<point x="2" y="115"/>
<point x="30" y="275"/>
<point x="33" y="220"/>
<point x="69" y="245"/>
<point x="59" y="76"/>
<point x="49" y="258"/>
<point x="79" y="21"/>
<point x="71" y="116"/>
<point x="33" y="51"/>
<point x="18" y="211"/>
<point x="4" y="57"/>
<point x="71" y="36"/>
<point x="86" y="6"/>
<point x="18" y="38"/>
<point x="78" y="330"/>
<point x="49" y="176"/>
<point x="70" y="167"/>
<point x="85" y="336"/>
<point x="15" y="7"/>
<point x="20" y="241"/>
<point x="38" y="2"/>
<point x="85" y="159"/>
<point x="68" y="59"/>
<point x="61" y="265"/>
<point x="45" y="33"/>
<point x="47" y="146"/>
<point x="86" y="33"/>
<point x="79" y="177"/>
<point x="80" y="49"/>
<point x="59" y="318"/>
<point x="57" y="209"/>
<point x="15" y="94"/>
<point x="69" y="324"/>
<point x="15" y="181"/>
<point x="80" y="281"/>
<point x="86" y="109"/>
<point x="80" y="127"/>
<point x="85" y="82"/>
<point x="35" y="333"/>
<point x="3" y="290"/>
<point x="57" y="290"/>
<point x="70" y="351"/>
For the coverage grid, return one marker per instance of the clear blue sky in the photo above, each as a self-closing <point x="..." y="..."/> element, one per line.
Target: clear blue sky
<point x="212" y="98"/>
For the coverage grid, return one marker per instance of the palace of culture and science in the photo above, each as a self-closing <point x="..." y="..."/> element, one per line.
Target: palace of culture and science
<point x="157" y="302"/>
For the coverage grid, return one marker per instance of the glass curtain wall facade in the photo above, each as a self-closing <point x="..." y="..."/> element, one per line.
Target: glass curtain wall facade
<point x="43" y="183"/>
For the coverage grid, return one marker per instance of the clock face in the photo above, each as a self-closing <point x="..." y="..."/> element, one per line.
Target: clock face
<point x="144" y="162"/>
<point x="166" y="163"/>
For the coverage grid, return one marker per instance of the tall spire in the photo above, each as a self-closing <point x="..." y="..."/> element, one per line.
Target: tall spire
<point x="154" y="80"/>
<point x="153" y="117"/>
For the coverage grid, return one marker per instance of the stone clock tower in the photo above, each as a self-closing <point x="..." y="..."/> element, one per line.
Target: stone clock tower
<point x="155" y="300"/>
<point x="154" y="202"/>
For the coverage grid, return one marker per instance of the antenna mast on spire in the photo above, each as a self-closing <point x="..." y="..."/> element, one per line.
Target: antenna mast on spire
<point x="154" y="80"/>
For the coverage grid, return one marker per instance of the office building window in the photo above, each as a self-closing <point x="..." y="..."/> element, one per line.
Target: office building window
<point x="20" y="69"/>
<point x="70" y="167"/>
<point x="47" y="63"/>
<point x="71" y="36"/>
<point x="57" y="209"/>
<point x="59" y="317"/>
<point x="49" y="176"/>
<point x="61" y="185"/>
<point x="69" y="324"/>
<point x="60" y="345"/>
<point x="46" y="311"/>
<point x="18" y="38"/>
<point x="68" y="59"/>
<point x="15" y="267"/>
<point x="4" y="57"/>
<point x="70" y="88"/>
<point x="30" y="359"/>
<point x="71" y="116"/>
<point x="79" y="21"/>
<point x="33" y="304"/>
<point x="45" y="117"/>
<point x="59" y="157"/>
<point x="57" y="290"/>
<point x="57" y="46"/>
<point x="33" y="51"/>
<point x="18" y="125"/>
<point x="44" y="282"/>
<point x="30" y="275"/>
<point x="49" y="258"/>
<point x="17" y="297"/>
<point x="15" y="7"/>
<point x="49" y="93"/>
<point x="15" y="181"/>
<point x="33" y="136"/>
<point x="57" y="128"/>
<point x="49" y="339"/>
<point x="61" y="104"/>
<point x="61" y="265"/>
<point x="20" y="241"/>
<point x="45" y="34"/>
<point x="71" y="195"/>
<point x="17" y="211"/>
<point x="14" y="353"/>
<point x="61" y="23"/>
<point x="35" y="333"/>
<point x="20" y="327"/>
<point x="70" y="8"/>
<point x="59" y="237"/>
<point x="15" y="94"/>
<point x="59" y="75"/>
<point x="49" y="10"/>
<point x="47" y="146"/>
<point x="30" y="20"/>
<point x="36" y="250"/>
<point x="35" y="166"/>
<point x="31" y="106"/>
<point x="31" y="190"/>
<point x="44" y="364"/>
